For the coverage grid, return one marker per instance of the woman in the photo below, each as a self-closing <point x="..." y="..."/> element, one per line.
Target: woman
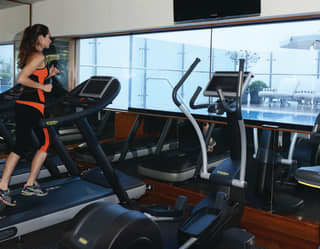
<point x="29" y="109"/>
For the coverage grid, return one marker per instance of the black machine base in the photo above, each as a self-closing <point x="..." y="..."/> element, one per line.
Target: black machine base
<point x="309" y="176"/>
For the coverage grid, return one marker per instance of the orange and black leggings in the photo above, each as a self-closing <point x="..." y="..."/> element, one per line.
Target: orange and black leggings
<point x="27" y="119"/>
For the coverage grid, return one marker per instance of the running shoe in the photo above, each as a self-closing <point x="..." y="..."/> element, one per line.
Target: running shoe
<point x="6" y="198"/>
<point x="33" y="190"/>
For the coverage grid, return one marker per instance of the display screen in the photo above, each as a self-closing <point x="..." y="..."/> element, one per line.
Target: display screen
<point x="95" y="87"/>
<point x="226" y="81"/>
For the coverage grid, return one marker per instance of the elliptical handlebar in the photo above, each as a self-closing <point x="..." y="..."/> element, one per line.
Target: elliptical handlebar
<point x="224" y="103"/>
<point x="194" y="98"/>
<point x="182" y="80"/>
<point x="228" y="107"/>
<point x="239" y="90"/>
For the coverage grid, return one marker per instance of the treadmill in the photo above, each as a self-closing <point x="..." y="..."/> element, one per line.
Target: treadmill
<point x="132" y="147"/>
<point x="52" y="166"/>
<point x="180" y="164"/>
<point x="69" y="195"/>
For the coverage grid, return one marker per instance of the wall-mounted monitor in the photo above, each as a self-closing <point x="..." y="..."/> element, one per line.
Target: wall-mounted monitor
<point x="206" y="10"/>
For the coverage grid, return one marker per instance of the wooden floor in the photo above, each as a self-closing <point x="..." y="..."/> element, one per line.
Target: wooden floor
<point x="272" y="231"/>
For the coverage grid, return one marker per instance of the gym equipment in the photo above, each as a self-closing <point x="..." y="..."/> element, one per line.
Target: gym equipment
<point x="181" y="164"/>
<point x="212" y="221"/>
<point x="228" y="103"/>
<point x="303" y="158"/>
<point x="131" y="147"/>
<point x="69" y="195"/>
<point x="274" y="198"/>
<point x="310" y="176"/>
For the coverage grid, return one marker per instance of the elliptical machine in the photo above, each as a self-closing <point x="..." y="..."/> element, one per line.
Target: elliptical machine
<point x="211" y="223"/>
<point x="310" y="175"/>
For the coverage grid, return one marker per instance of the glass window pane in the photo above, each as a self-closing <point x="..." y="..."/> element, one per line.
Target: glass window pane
<point x="284" y="58"/>
<point x="160" y="59"/>
<point x="58" y="53"/>
<point x="108" y="56"/>
<point x="6" y="67"/>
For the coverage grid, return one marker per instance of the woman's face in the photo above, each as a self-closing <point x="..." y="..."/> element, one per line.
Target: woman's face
<point x="44" y="41"/>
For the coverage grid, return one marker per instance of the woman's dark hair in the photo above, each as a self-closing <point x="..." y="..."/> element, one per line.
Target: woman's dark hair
<point x="29" y="42"/>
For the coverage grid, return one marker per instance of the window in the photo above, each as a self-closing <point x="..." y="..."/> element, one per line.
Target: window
<point x="284" y="57"/>
<point x="6" y="67"/>
<point x="58" y="53"/>
<point x="160" y="60"/>
<point x="107" y="56"/>
<point x="147" y="73"/>
<point x="285" y="60"/>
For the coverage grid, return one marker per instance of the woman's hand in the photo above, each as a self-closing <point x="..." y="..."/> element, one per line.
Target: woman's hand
<point x="47" y="88"/>
<point x="53" y="71"/>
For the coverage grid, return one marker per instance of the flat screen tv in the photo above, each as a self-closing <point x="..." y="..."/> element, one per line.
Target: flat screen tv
<point x="206" y="10"/>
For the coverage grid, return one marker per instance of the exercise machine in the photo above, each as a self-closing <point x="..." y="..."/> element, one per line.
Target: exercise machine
<point x="180" y="164"/>
<point x="310" y="175"/>
<point x="274" y="192"/>
<point x="66" y="196"/>
<point x="183" y="163"/>
<point x="212" y="223"/>
<point x="132" y="146"/>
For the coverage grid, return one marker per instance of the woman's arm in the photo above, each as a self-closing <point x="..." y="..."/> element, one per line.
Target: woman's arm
<point x="53" y="71"/>
<point x="36" y="61"/>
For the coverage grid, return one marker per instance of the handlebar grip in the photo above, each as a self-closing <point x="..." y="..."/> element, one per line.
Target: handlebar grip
<point x="193" y="100"/>
<point x="182" y="80"/>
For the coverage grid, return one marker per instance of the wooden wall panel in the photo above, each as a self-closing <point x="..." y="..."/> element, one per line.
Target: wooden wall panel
<point x="276" y="231"/>
<point x="123" y="123"/>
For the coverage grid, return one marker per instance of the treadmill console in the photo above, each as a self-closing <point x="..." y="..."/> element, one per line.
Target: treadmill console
<point x="226" y="81"/>
<point x="95" y="87"/>
<point x="86" y="99"/>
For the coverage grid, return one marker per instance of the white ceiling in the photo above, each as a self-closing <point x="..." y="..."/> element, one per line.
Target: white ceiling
<point x="4" y="4"/>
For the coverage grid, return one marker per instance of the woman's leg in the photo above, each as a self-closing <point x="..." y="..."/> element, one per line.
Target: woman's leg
<point x="23" y="131"/>
<point x="8" y="169"/>
<point x="41" y="155"/>
<point x="31" y="188"/>
<point x="36" y="164"/>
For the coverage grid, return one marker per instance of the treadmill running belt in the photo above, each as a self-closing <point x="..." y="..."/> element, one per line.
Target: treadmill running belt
<point x="60" y="197"/>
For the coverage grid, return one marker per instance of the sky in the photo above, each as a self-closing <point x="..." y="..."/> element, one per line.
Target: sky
<point x="265" y="37"/>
